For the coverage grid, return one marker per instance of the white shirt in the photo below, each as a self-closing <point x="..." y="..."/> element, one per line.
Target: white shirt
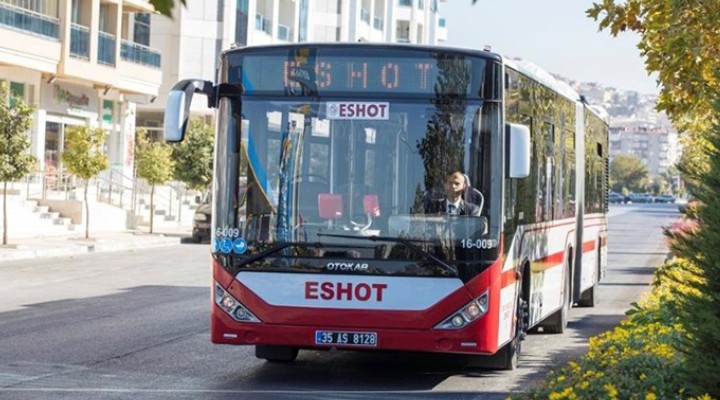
<point x="456" y="210"/>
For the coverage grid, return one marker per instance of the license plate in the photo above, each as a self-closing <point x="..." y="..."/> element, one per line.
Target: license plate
<point x="367" y="339"/>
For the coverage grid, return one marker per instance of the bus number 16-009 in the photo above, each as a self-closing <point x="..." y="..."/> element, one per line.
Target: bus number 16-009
<point x="479" y="243"/>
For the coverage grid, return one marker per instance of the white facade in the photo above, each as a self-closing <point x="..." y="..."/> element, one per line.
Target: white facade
<point x="77" y="63"/>
<point x="192" y="41"/>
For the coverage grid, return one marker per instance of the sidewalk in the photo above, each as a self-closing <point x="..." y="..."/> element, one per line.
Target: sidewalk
<point x="57" y="246"/>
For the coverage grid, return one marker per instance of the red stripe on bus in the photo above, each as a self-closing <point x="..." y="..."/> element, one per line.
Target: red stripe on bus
<point x="588" y="246"/>
<point x="548" y="261"/>
<point x="508" y="278"/>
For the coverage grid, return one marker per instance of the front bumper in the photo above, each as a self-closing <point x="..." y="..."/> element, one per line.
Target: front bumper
<point x="470" y="340"/>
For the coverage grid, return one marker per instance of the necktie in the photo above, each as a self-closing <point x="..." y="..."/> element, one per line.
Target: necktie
<point x="452" y="210"/>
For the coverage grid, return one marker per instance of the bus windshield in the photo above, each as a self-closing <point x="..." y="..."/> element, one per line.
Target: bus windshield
<point x="307" y="172"/>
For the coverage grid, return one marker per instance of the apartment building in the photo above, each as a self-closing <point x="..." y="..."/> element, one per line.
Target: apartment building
<point x="192" y="41"/>
<point x="80" y="62"/>
<point x="655" y="145"/>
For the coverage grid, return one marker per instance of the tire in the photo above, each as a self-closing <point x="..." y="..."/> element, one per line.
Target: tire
<point x="196" y="239"/>
<point x="508" y="357"/>
<point x="557" y="323"/>
<point x="279" y="354"/>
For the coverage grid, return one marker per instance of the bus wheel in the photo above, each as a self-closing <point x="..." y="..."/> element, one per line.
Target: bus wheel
<point x="507" y="358"/>
<point x="557" y="323"/>
<point x="276" y="353"/>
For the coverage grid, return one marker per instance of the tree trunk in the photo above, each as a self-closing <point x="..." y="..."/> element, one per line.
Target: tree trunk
<point x="152" y="206"/>
<point x="5" y="224"/>
<point x="87" y="211"/>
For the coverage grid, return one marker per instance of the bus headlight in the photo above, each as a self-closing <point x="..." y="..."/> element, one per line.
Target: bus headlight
<point x="232" y="307"/>
<point x="464" y="316"/>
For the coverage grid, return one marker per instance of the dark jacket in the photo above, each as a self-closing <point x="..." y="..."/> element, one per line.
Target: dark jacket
<point x="439" y="206"/>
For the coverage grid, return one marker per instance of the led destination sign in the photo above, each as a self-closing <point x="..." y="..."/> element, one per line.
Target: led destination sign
<point x="369" y="73"/>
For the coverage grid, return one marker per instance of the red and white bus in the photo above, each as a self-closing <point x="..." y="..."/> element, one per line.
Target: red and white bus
<point x="326" y="156"/>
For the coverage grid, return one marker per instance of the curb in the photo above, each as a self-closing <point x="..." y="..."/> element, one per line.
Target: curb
<point x="86" y="248"/>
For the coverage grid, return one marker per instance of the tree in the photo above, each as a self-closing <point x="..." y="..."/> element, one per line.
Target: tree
<point x="194" y="156"/>
<point x="154" y="163"/>
<point x="84" y="157"/>
<point x="165" y="6"/>
<point x="680" y="42"/>
<point x="627" y="172"/>
<point x="15" y="162"/>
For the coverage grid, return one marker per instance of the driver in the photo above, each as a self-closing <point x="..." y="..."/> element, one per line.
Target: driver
<point x="453" y="202"/>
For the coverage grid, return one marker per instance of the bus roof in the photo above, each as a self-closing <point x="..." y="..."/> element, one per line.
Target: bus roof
<point x="547" y="79"/>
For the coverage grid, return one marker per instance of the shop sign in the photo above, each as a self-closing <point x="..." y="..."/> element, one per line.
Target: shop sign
<point x="69" y="99"/>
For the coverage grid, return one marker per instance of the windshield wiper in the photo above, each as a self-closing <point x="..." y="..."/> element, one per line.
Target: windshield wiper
<point x="275" y="249"/>
<point x="408" y="243"/>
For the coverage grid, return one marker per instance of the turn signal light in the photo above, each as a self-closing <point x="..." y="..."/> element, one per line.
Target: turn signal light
<point x="232" y="307"/>
<point x="464" y="316"/>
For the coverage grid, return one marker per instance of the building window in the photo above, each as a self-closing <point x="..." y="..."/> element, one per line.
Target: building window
<point x="141" y="34"/>
<point x="365" y="15"/>
<point x="441" y="22"/>
<point x="263" y="24"/>
<point x="284" y="33"/>
<point x="405" y="3"/>
<point x="378" y="23"/>
<point x="421" y="4"/>
<point x="17" y="91"/>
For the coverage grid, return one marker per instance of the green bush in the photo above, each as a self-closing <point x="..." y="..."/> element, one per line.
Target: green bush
<point x="636" y="360"/>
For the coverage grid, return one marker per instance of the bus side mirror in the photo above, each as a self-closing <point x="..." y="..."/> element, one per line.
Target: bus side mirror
<point x="519" y="151"/>
<point x="177" y="109"/>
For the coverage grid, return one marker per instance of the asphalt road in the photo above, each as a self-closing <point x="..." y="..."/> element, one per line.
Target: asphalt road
<point x="134" y="325"/>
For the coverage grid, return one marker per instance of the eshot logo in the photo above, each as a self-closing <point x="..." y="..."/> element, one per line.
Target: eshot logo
<point x="358" y="110"/>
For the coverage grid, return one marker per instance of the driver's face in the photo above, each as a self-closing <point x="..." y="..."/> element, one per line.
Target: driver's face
<point x="454" y="185"/>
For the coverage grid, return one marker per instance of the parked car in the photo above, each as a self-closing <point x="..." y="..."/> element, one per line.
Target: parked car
<point x="639" y="198"/>
<point x="665" y="198"/>
<point x="616" y="198"/>
<point x="202" y="220"/>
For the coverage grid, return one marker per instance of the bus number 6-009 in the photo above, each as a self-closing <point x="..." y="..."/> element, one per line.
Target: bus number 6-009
<point x="479" y="243"/>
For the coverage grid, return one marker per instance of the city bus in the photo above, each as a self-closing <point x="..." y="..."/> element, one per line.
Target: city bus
<point x="326" y="156"/>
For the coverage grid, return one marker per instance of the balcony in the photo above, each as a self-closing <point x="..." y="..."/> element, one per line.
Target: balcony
<point x="80" y="41"/>
<point x="139" y="54"/>
<point x="29" y="21"/>
<point x="106" y="49"/>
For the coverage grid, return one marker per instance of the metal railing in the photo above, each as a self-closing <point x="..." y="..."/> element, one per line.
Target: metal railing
<point x="80" y="41"/>
<point x="139" y="54"/>
<point x="106" y="49"/>
<point x="113" y="188"/>
<point x="29" y="21"/>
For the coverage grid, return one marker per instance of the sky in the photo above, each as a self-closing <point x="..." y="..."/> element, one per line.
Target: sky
<point x="554" y="34"/>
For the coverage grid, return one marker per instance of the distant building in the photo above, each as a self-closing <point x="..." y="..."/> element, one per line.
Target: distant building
<point x="655" y="145"/>
<point x="79" y="62"/>
<point x="191" y="42"/>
